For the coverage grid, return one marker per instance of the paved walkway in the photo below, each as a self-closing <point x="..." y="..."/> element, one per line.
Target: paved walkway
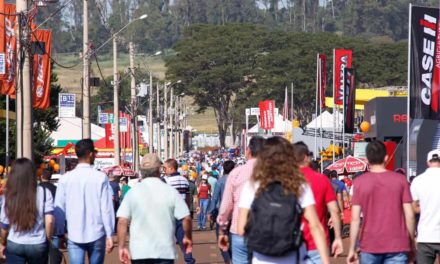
<point x="205" y="250"/>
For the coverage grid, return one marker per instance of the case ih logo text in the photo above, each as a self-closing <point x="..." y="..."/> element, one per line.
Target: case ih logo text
<point x="429" y="24"/>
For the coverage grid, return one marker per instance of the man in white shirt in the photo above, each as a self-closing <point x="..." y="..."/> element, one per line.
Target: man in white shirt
<point x="152" y="208"/>
<point x="424" y="190"/>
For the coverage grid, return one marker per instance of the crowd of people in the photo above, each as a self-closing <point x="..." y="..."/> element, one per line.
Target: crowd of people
<point x="275" y="208"/>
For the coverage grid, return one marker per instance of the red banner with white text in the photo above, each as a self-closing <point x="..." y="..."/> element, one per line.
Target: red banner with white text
<point x="2" y="42"/>
<point x="267" y="114"/>
<point x="42" y="70"/>
<point x="8" y="79"/>
<point x="342" y="59"/>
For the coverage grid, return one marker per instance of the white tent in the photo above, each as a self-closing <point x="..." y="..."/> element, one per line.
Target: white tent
<point x="280" y="127"/>
<point x="327" y="121"/>
<point x="70" y="129"/>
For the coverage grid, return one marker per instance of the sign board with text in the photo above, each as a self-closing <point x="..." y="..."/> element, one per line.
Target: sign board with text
<point x="66" y="105"/>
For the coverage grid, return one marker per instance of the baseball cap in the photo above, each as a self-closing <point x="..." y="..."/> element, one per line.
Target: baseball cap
<point x="434" y="155"/>
<point x="205" y="177"/>
<point x="150" y="161"/>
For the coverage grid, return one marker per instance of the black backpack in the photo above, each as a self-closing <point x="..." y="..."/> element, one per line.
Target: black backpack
<point x="274" y="224"/>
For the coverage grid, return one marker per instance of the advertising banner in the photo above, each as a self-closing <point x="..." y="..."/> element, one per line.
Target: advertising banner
<point x="424" y="63"/>
<point x="349" y="100"/>
<point x="66" y="105"/>
<point x="267" y="114"/>
<point x="42" y="70"/>
<point x="8" y="81"/>
<point x="322" y="78"/>
<point x="342" y="59"/>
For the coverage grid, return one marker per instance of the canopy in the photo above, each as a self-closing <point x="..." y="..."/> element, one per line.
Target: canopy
<point x="327" y="121"/>
<point x="350" y="165"/>
<point x="280" y="127"/>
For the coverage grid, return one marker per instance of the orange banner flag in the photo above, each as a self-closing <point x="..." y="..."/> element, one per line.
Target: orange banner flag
<point x="42" y="70"/>
<point x="8" y="34"/>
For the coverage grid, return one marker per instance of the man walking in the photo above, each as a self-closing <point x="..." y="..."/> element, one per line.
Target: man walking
<point x="151" y="209"/>
<point x="181" y="184"/>
<point x="84" y="199"/>
<point x="325" y="202"/>
<point x="228" y="215"/>
<point x="216" y="201"/>
<point x="424" y="190"/>
<point x="384" y="199"/>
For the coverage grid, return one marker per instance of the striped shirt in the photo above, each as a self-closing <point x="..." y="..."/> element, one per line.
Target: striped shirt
<point x="178" y="182"/>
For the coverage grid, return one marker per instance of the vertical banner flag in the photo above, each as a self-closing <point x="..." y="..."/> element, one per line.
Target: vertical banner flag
<point x="424" y="63"/>
<point x="41" y="70"/>
<point x="8" y="33"/>
<point x="286" y="106"/>
<point x="2" y="41"/>
<point x="349" y="101"/>
<point x="342" y="59"/>
<point x="267" y="114"/>
<point x="322" y="82"/>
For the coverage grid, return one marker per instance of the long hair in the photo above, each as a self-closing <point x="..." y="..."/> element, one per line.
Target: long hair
<point x="21" y="195"/>
<point x="276" y="163"/>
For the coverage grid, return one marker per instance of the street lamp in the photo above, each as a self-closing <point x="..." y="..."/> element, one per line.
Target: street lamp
<point x="116" y="91"/>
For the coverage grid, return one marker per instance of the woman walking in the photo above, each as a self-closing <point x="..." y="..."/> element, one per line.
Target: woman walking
<point x="26" y="218"/>
<point x="276" y="176"/>
<point x="204" y="192"/>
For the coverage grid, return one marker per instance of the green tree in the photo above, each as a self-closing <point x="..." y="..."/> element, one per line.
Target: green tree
<point x="216" y="64"/>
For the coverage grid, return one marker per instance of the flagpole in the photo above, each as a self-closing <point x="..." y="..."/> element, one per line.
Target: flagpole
<point x="409" y="95"/>
<point x="316" y="106"/>
<point x="343" y="114"/>
<point x="334" y="109"/>
<point x="320" y="109"/>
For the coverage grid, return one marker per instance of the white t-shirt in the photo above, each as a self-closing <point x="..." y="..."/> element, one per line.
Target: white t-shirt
<point x="424" y="189"/>
<point x="246" y="199"/>
<point x="153" y="207"/>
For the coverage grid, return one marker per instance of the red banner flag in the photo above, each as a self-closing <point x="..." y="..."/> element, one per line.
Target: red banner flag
<point x="42" y="70"/>
<point x="8" y="79"/>
<point x="2" y="41"/>
<point x="342" y="59"/>
<point x="267" y="114"/>
<point x="322" y="82"/>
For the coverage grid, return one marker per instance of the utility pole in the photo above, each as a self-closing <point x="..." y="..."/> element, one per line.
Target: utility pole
<point x="159" y="149"/>
<point x="182" y="128"/>
<point x="134" y="149"/>
<point x="150" y="115"/>
<point x="24" y="90"/>
<point x="176" y="124"/>
<point x="86" y="127"/>
<point x="116" y="101"/>
<point x="165" y="117"/>
<point x="171" y="123"/>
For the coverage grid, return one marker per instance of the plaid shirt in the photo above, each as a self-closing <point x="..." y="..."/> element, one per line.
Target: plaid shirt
<point x="231" y="195"/>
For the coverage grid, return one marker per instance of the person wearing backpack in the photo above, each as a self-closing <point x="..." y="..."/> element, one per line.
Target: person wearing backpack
<point x="272" y="204"/>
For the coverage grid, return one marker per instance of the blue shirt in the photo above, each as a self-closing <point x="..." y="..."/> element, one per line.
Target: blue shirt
<point x="216" y="199"/>
<point x="340" y="184"/>
<point x="36" y="235"/>
<point x="84" y="199"/>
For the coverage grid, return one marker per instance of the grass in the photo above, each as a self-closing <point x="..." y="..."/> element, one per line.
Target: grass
<point x="70" y="81"/>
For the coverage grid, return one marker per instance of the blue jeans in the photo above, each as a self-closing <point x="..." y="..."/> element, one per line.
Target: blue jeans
<point x="180" y="233"/>
<point x="95" y="251"/>
<point x="386" y="258"/>
<point x="25" y="253"/>
<point x="313" y="257"/>
<point x="226" y="255"/>
<point x="201" y="218"/>
<point x="239" y="250"/>
<point x="152" y="261"/>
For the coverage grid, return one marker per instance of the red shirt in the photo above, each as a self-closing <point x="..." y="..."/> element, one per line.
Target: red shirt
<point x="381" y="197"/>
<point x="323" y="193"/>
<point x="204" y="191"/>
